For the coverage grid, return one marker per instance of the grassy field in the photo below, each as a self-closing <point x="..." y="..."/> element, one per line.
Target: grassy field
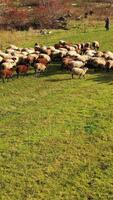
<point x="57" y="133"/>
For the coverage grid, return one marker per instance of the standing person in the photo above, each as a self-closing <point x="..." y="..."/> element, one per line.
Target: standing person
<point x="107" y="23"/>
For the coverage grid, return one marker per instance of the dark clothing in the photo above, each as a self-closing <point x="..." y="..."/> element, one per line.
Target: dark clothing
<point x="107" y="23"/>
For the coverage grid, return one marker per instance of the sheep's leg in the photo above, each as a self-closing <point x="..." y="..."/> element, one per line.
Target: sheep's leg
<point x="107" y="70"/>
<point x="12" y="78"/>
<point x="35" y="70"/>
<point x="80" y="76"/>
<point x="37" y="74"/>
<point x="25" y="74"/>
<point x="17" y="75"/>
<point x="72" y="76"/>
<point x="3" y="79"/>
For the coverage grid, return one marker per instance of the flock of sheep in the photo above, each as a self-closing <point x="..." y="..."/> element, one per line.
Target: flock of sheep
<point x="76" y="58"/>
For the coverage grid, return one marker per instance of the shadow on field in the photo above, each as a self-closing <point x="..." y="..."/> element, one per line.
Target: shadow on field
<point x="103" y="78"/>
<point x="53" y="69"/>
<point x="58" y="80"/>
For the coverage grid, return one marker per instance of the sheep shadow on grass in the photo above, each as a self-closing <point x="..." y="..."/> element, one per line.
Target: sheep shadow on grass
<point x="58" y="79"/>
<point x="104" y="77"/>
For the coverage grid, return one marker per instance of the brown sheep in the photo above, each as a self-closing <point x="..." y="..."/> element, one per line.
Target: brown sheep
<point x="22" y="69"/>
<point x="6" y="74"/>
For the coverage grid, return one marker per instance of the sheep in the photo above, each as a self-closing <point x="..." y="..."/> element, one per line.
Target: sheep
<point x="22" y="69"/>
<point x="69" y="48"/>
<point x="11" y="46"/>
<point x="45" y="50"/>
<point x="97" y="63"/>
<point x="45" y="56"/>
<point x="108" y="55"/>
<point x="5" y="55"/>
<point x="56" y="55"/>
<point x="62" y="42"/>
<point x="99" y="54"/>
<point x="6" y="74"/>
<point x="90" y="52"/>
<point x="31" y="58"/>
<point x="1" y="59"/>
<point x="109" y="65"/>
<point x="39" y="67"/>
<point x="76" y="63"/>
<point x="77" y="47"/>
<point x="72" y="53"/>
<point x="48" y="51"/>
<point x="63" y="52"/>
<point x="95" y="45"/>
<point x="9" y="51"/>
<point x="82" y="58"/>
<point x="37" y="47"/>
<point x="78" y="71"/>
<point x="87" y="44"/>
<point x="52" y="48"/>
<point x="66" y="62"/>
<point x="8" y="65"/>
<point x="42" y="60"/>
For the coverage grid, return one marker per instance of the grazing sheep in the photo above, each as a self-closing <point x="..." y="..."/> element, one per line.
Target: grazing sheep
<point x="5" y="55"/>
<point x="78" y="71"/>
<point x="56" y="55"/>
<point x="37" y="47"/>
<point x="62" y="42"/>
<point x="10" y="51"/>
<point x="99" y="54"/>
<point x="97" y="63"/>
<point x="63" y="52"/>
<point x="31" y="58"/>
<point x="72" y="53"/>
<point x="11" y="46"/>
<point x="22" y="69"/>
<point x="69" y="48"/>
<point x="1" y="59"/>
<point x="39" y="67"/>
<point x="95" y="45"/>
<point x="109" y="65"/>
<point x="90" y="52"/>
<point x="8" y="65"/>
<point x="87" y="45"/>
<point x="75" y="64"/>
<point x="6" y="74"/>
<point x="42" y="55"/>
<point x="52" y="48"/>
<point x="108" y="55"/>
<point x="66" y="62"/>
<point x="82" y="58"/>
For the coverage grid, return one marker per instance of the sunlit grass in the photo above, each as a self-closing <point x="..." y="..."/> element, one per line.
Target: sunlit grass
<point x="57" y="133"/>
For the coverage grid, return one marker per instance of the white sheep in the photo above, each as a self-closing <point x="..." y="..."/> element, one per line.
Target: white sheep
<point x="72" y="53"/>
<point x="62" y="42"/>
<point x="108" y="55"/>
<point x="90" y="52"/>
<point x="95" y="45"/>
<point x="1" y="58"/>
<point x="8" y="65"/>
<point x="76" y="63"/>
<point x="78" y="71"/>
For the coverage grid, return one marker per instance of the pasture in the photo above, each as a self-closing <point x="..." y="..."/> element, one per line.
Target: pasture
<point x="57" y="133"/>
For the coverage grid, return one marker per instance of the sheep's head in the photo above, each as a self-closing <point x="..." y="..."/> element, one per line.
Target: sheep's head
<point x="85" y="69"/>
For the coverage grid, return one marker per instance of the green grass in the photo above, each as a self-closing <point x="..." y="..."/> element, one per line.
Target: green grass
<point x="57" y="133"/>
